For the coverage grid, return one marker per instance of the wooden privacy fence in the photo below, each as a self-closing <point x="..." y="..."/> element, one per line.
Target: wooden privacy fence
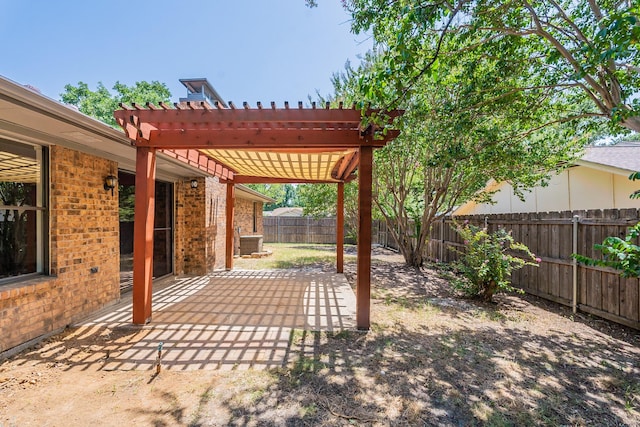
<point x="553" y="237"/>
<point x="283" y="229"/>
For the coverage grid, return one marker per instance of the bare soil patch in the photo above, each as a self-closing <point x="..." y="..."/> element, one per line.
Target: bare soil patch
<point x="431" y="358"/>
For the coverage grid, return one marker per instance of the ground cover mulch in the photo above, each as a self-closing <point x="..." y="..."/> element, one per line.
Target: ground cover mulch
<point x="430" y="358"/>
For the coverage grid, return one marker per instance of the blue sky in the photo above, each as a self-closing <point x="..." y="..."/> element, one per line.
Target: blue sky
<point x="250" y="50"/>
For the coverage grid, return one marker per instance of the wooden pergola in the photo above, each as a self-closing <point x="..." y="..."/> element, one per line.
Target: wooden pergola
<point x="253" y="145"/>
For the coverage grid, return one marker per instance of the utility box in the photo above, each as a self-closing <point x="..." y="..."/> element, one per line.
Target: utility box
<point x="250" y="244"/>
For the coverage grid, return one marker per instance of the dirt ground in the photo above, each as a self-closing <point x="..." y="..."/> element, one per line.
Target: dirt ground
<point x="431" y="358"/>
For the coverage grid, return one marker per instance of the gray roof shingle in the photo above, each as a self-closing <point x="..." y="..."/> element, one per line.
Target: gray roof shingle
<point x="624" y="156"/>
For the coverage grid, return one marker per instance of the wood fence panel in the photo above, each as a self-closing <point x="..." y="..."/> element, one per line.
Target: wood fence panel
<point x="612" y="293"/>
<point x="564" y="261"/>
<point x="584" y="241"/>
<point x="554" y="254"/>
<point x="544" y="240"/>
<point x="593" y="281"/>
<point x="522" y="224"/>
<point x="610" y="280"/>
<point x="535" y="248"/>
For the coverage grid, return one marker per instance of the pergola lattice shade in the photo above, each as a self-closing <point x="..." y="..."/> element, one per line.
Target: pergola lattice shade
<point x="281" y="165"/>
<point x="258" y="144"/>
<point x="16" y="168"/>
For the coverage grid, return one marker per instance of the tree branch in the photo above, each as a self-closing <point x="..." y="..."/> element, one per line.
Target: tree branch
<point x="568" y="56"/>
<point x="432" y="61"/>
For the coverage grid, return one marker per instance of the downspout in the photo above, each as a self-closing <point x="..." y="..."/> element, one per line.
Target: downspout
<point x="574" y="305"/>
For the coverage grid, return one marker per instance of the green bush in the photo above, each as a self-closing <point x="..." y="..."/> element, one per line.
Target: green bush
<point x="488" y="260"/>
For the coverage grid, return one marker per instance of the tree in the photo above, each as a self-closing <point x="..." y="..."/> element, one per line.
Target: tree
<point x="101" y="104"/>
<point x="320" y="200"/>
<point x="284" y="194"/>
<point x="582" y="49"/>
<point x="457" y="134"/>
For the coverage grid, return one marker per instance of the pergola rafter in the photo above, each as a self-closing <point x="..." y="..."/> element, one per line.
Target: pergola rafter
<point x="254" y="145"/>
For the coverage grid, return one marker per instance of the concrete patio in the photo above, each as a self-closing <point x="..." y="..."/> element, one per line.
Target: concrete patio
<point x="229" y="320"/>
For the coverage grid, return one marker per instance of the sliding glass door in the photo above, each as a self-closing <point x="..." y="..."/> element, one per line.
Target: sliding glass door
<point x="162" y="233"/>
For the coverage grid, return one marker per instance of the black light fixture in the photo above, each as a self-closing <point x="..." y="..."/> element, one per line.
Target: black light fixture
<point x="110" y="183"/>
<point x="194" y="183"/>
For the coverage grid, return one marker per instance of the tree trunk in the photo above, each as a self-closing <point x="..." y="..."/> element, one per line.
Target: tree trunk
<point x="489" y="290"/>
<point x="412" y="255"/>
<point x="415" y="258"/>
<point x="632" y="123"/>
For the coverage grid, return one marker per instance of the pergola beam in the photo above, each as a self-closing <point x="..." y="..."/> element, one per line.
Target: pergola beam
<point x="248" y="179"/>
<point x="201" y="161"/>
<point x="255" y="139"/>
<point x="242" y="115"/>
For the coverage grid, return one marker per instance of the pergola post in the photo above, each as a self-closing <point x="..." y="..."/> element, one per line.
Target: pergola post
<point x="228" y="263"/>
<point x="143" y="234"/>
<point x="363" y="276"/>
<point x="340" y="229"/>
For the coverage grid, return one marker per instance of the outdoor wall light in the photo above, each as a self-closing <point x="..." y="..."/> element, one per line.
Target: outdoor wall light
<point x="194" y="183"/>
<point x="110" y="183"/>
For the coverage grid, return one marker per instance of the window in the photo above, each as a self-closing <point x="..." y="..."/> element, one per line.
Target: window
<point x="22" y="209"/>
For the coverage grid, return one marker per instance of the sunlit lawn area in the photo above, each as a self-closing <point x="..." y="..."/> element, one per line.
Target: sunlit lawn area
<point x="294" y="255"/>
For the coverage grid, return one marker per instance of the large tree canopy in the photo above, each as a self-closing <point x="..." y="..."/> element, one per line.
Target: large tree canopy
<point x="101" y="104"/>
<point x="459" y="131"/>
<point x="580" y="49"/>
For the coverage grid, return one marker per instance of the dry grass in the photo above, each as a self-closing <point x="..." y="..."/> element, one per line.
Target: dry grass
<point x="289" y="255"/>
<point x="431" y="358"/>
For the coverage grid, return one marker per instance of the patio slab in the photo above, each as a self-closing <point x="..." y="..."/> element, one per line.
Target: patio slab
<point x="229" y="320"/>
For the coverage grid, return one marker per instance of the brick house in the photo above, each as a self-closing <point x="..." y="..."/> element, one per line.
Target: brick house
<point x="66" y="236"/>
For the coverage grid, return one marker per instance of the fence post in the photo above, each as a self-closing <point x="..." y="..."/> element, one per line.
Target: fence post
<point x="574" y="304"/>
<point x="308" y="237"/>
<point x="278" y="229"/>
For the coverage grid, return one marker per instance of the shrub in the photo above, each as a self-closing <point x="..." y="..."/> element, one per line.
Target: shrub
<point x="488" y="260"/>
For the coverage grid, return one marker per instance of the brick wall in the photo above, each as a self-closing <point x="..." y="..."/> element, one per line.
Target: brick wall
<point x="216" y="219"/>
<point x="200" y="226"/>
<point x="83" y="224"/>
<point x="243" y="217"/>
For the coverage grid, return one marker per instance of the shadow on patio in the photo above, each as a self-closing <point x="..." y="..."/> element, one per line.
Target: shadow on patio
<point x="229" y="320"/>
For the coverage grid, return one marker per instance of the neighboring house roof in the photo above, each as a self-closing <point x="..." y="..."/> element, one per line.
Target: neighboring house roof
<point x="624" y="156"/>
<point x="247" y="193"/>
<point x="286" y="212"/>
